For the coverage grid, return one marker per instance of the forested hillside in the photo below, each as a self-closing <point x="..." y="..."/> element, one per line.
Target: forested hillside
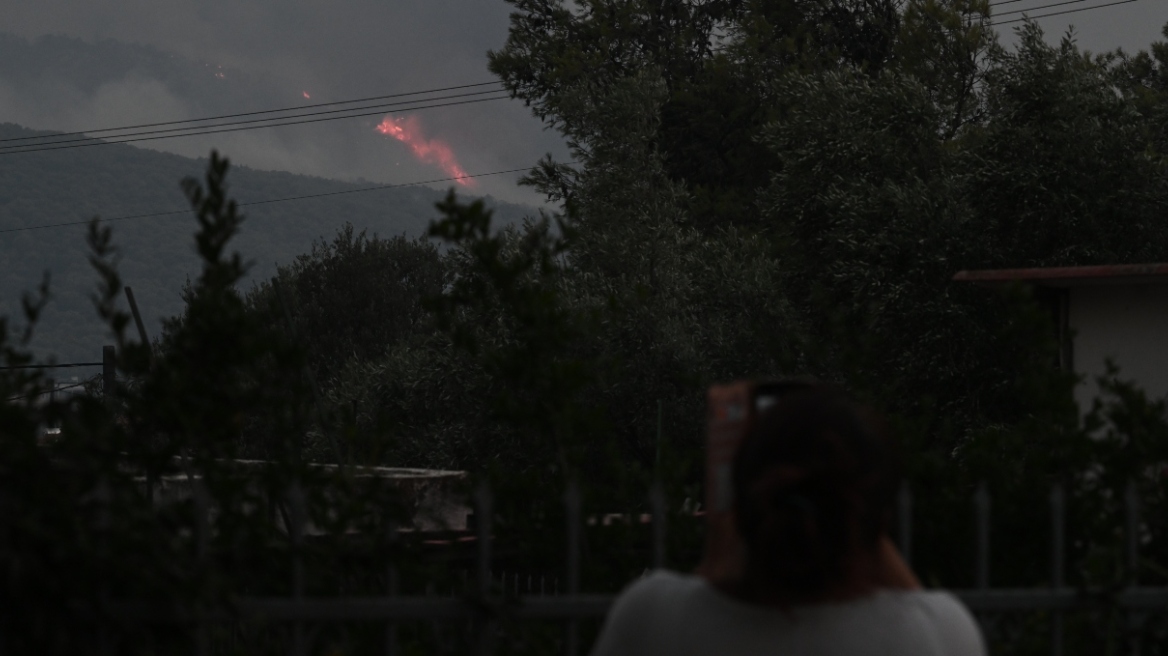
<point x="115" y="181"/>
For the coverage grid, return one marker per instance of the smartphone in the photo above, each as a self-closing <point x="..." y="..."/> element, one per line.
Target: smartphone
<point x="732" y="410"/>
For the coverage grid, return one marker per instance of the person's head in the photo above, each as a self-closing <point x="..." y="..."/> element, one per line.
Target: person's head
<point x="814" y="482"/>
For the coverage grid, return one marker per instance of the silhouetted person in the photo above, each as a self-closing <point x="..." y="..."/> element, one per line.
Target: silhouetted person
<point x="814" y="483"/>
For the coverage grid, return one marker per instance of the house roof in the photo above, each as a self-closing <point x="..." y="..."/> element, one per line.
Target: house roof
<point x="1126" y="274"/>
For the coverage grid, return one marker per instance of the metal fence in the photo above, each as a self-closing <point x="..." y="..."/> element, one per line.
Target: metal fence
<point x="496" y="597"/>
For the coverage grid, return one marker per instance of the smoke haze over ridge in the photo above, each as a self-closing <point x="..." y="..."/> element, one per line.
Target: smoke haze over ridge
<point x="269" y="53"/>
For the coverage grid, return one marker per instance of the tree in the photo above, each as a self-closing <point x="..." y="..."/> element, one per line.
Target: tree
<point x="868" y="181"/>
<point x="877" y="209"/>
<point x="710" y="56"/>
<point x="83" y="520"/>
<point x="354" y="297"/>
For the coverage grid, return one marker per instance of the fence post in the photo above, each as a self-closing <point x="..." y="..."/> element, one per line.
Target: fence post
<point x="202" y="547"/>
<point x="483" y="512"/>
<point x="103" y="496"/>
<point x="296" y="503"/>
<point x="1057" y="562"/>
<point x="981" y="502"/>
<point x="657" y="461"/>
<point x="390" y="587"/>
<point x="657" y="504"/>
<point x="904" y="521"/>
<point x="572" y="512"/>
<point x="1131" y="503"/>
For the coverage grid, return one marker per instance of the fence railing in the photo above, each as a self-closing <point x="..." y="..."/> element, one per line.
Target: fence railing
<point x="494" y="598"/>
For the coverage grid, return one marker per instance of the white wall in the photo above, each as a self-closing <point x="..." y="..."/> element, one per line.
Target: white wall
<point x="1128" y="323"/>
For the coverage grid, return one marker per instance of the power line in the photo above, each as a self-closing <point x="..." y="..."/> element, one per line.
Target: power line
<point x="256" y="113"/>
<point x="1062" y="13"/>
<point x="35" y="148"/>
<point x="28" y="147"/>
<point x="36" y="394"/>
<point x="1040" y="8"/>
<point x="274" y="200"/>
<point x="1071" y="2"/>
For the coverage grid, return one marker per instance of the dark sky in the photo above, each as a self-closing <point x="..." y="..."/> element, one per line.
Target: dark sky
<point x="341" y="49"/>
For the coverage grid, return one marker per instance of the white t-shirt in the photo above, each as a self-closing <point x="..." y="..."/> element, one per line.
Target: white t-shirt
<point x="676" y="614"/>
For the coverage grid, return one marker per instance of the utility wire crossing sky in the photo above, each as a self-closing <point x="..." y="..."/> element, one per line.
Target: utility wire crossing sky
<point x="311" y="117"/>
<point x="256" y="113"/>
<point x="1055" y="13"/>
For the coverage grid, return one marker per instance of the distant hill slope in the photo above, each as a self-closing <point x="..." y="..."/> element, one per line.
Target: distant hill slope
<point x="158" y="253"/>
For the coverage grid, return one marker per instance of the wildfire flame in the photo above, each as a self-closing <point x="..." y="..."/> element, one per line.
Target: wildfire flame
<point x="431" y="151"/>
<point x="306" y="94"/>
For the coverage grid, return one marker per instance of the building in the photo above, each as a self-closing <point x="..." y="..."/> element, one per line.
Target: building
<point x="1113" y="312"/>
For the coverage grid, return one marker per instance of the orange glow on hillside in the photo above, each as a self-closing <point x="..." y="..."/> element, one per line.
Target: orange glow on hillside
<point x="431" y="151"/>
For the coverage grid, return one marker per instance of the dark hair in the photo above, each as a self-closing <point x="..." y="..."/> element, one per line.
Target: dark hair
<point x="813" y="482"/>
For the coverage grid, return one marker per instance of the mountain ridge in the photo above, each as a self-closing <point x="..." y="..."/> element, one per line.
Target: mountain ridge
<point x="114" y="181"/>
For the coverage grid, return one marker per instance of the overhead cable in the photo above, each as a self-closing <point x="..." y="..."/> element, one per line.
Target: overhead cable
<point x="1061" y="13"/>
<point x="1041" y="7"/>
<point x="44" y="392"/>
<point x="249" y="121"/>
<point x="255" y="113"/>
<point x="216" y="129"/>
